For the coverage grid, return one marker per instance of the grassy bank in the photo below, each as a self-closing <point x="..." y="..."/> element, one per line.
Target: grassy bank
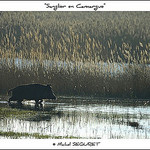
<point x="9" y="112"/>
<point x="27" y="115"/>
<point x="84" y="42"/>
<point x="18" y="135"/>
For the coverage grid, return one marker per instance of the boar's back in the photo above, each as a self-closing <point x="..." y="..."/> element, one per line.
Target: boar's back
<point x="30" y="92"/>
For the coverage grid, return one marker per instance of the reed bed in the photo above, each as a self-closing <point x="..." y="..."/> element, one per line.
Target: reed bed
<point x="87" y="54"/>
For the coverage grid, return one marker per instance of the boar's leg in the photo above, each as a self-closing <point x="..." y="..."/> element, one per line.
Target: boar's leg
<point x="19" y="101"/>
<point x="36" y="101"/>
<point x="9" y="100"/>
<point x="40" y="101"/>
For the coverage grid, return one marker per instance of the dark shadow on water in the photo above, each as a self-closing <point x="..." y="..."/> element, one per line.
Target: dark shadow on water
<point x="36" y="107"/>
<point x="44" y="116"/>
<point x="45" y="112"/>
<point x="39" y="117"/>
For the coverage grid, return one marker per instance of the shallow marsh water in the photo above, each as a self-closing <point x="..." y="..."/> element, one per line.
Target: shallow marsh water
<point x="111" y="68"/>
<point x="81" y="118"/>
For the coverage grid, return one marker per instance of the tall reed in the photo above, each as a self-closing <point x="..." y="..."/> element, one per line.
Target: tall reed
<point x="79" y="54"/>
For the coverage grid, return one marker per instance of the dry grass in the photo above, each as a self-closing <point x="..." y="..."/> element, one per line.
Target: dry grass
<point x="89" y="80"/>
<point x="81" y="44"/>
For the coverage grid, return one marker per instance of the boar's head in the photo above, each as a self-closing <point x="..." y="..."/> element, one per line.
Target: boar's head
<point x="49" y="92"/>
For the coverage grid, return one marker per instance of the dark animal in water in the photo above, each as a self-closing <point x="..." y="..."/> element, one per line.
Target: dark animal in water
<point x="35" y="92"/>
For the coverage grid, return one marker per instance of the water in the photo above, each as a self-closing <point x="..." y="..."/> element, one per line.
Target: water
<point x="82" y="118"/>
<point x="110" y="68"/>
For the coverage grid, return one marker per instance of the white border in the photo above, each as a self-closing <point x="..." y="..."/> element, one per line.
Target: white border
<point x="48" y="144"/>
<point x="108" y="5"/>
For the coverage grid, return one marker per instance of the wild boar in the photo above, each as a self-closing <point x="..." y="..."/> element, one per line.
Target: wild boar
<point x="35" y="92"/>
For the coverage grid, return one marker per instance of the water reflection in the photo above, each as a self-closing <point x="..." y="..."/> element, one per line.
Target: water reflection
<point x="82" y="119"/>
<point x="33" y="107"/>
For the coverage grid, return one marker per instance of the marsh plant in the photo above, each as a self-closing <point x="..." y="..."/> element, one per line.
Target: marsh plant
<point x="103" y="54"/>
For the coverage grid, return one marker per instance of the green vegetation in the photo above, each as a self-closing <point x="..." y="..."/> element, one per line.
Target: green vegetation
<point x="27" y="115"/>
<point x="9" y="112"/>
<point x="85" y="42"/>
<point x="17" y="135"/>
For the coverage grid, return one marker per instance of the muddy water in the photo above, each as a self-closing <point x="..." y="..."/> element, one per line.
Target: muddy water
<point x="83" y="117"/>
